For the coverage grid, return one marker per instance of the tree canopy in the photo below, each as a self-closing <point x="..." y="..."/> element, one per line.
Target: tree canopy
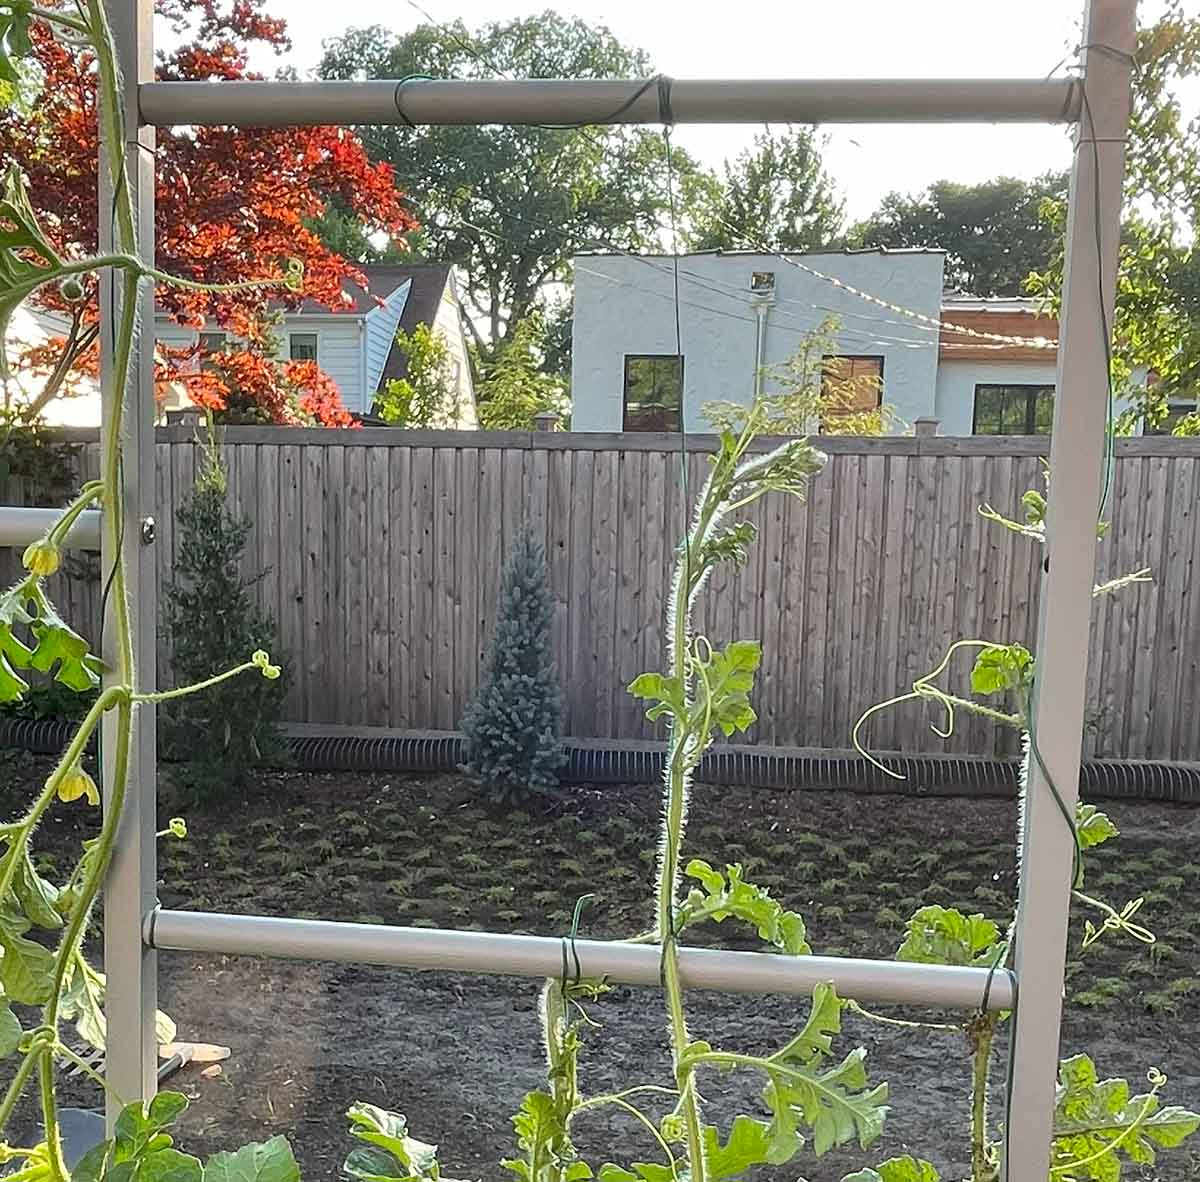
<point x="994" y="234"/>
<point x="231" y="205"/>
<point x="776" y="194"/>
<point x="510" y="206"/>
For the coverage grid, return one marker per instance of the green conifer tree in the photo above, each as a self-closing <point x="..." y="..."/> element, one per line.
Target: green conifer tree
<point x="214" y="624"/>
<point x="512" y="728"/>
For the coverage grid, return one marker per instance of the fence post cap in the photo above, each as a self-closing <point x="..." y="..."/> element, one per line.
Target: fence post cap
<point x="546" y="420"/>
<point x="925" y="425"/>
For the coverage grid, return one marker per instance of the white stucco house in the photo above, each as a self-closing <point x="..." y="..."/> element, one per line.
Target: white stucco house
<point x="355" y="346"/>
<point x="743" y="313"/>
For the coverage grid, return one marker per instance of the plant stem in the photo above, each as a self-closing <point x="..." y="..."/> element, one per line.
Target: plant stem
<point x="982" y="1035"/>
<point x="184" y="691"/>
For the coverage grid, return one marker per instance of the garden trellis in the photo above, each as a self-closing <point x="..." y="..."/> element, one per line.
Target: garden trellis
<point x="1097" y="102"/>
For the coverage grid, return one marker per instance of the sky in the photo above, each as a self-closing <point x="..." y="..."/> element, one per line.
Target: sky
<point x="798" y="38"/>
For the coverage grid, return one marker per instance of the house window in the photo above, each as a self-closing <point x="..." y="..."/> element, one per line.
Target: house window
<point x="1013" y="410"/>
<point x="1176" y="411"/>
<point x="210" y="343"/>
<point x="653" y="392"/>
<point x="302" y="346"/>
<point x="850" y="385"/>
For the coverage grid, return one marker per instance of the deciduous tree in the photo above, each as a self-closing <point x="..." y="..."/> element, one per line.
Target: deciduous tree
<point x="993" y="233"/>
<point x="231" y="204"/>
<point x="776" y="194"/>
<point x="510" y="206"/>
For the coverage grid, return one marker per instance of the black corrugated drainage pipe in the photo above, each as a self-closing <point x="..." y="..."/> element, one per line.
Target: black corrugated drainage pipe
<point x="602" y="761"/>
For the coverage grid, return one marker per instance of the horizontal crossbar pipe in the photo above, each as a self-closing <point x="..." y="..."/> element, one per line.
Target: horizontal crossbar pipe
<point x="873" y="981"/>
<point x="558" y="101"/>
<point x="19" y="526"/>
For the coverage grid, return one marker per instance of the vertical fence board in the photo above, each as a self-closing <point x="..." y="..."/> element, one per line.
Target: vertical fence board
<point x="383" y="559"/>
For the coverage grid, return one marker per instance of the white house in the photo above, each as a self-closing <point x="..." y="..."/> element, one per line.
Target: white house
<point x="742" y="313"/>
<point x="355" y="346"/>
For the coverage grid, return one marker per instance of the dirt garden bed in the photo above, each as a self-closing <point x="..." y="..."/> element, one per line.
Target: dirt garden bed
<point x="456" y="1053"/>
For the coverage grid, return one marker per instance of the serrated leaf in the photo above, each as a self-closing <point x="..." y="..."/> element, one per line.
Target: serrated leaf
<point x="750" y="1144"/>
<point x="942" y="935"/>
<point x="835" y="1102"/>
<point x="666" y="692"/>
<point x="1001" y="667"/>
<point x="260" y="1161"/>
<point x="1097" y="1123"/>
<point x="897" y="1169"/>
<point x="60" y="645"/>
<point x="728" y="894"/>
<point x="1094" y="827"/>
<point x="392" y="1153"/>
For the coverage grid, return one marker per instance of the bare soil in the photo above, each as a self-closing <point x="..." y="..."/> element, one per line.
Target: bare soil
<point x="456" y="1053"/>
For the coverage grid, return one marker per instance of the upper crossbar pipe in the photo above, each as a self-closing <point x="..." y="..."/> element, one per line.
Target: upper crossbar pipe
<point x="542" y="956"/>
<point x="561" y="101"/>
<point x="20" y="525"/>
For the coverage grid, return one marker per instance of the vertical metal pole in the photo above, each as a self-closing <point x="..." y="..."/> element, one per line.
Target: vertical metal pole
<point x="131" y="996"/>
<point x="1076" y="473"/>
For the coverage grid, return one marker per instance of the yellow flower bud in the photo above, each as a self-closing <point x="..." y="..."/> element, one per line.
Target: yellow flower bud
<point x="41" y="557"/>
<point x="177" y="827"/>
<point x="77" y="783"/>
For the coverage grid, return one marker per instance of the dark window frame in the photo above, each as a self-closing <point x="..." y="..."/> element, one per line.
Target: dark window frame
<point x="316" y="344"/>
<point x="678" y="358"/>
<point x="1032" y="392"/>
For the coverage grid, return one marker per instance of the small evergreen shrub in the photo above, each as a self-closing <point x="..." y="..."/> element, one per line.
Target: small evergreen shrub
<point x="512" y="728"/>
<point x="213" y="624"/>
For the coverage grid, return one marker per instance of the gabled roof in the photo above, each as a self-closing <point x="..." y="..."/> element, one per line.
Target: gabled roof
<point x="428" y="283"/>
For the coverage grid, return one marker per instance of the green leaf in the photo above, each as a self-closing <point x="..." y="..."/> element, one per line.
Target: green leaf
<point x="727" y="894"/>
<point x="260" y="1161"/>
<point x="897" y="1169"/>
<point x="667" y="692"/>
<point x="10" y="1028"/>
<point x="1001" y="667"/>
<point x="58" y="644"/>
<point x="541" y="1137"/>
<point x="640" y="1171"/>
<point x="36" y="896"/>
<point x="21" y="239"/>
<point x="1097" y="1121"/>
<point x="728" y="679"/>
<point x="26" y="968"/>
<point x="1094" y="827"/>
<point x="942" y="935"/>
<point x="170" y="1165"/>
<point x="749" y="1144"/>
<point x="391" y="1152"/>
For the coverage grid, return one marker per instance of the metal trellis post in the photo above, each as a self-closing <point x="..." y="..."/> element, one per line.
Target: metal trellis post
<point x="131" y="997"/>
<point x="1077" y="476"/>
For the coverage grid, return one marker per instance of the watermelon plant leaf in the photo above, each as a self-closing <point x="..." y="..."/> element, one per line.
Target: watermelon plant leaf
<point x="260" y="1161"/>
<point x="721" y="896"/>
<point x="1093" y="826"/>
<point x="897" y="1169"/>
<point x="942" y="935"/>
<point x="389" y="1153"/>
<point x="1097" y="1123"/>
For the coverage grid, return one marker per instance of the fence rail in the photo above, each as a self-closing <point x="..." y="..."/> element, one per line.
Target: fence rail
<point x="383" y="551"/>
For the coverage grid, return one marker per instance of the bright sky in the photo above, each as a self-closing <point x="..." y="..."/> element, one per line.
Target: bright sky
<point x="799" y="38"/>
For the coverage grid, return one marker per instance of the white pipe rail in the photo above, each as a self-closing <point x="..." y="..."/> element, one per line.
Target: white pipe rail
<point x="19" y="526"/>
<point x="876" y="981"/>
<point x="559" y="101"/>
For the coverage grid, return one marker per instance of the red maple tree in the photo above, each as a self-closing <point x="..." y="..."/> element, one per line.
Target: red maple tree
<point x="232" y="205"/>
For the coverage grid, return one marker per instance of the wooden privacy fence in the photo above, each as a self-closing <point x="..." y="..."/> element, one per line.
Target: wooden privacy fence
<point x="384" y="549"/>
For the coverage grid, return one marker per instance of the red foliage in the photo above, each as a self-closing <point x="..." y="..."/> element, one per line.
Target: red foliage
<point x="231" y="204"/>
